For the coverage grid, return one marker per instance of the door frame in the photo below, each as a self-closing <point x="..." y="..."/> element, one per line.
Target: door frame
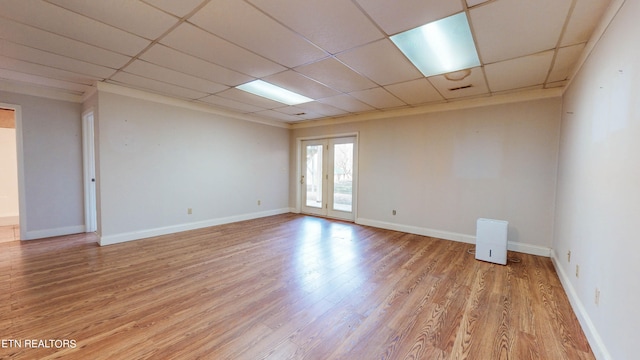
<point x="298" y="172"/>
<point x="22" y="200"/>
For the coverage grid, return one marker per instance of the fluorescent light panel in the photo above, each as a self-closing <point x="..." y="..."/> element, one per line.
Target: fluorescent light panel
<point x="441" y="46"/>
<point x="273" y="92"/>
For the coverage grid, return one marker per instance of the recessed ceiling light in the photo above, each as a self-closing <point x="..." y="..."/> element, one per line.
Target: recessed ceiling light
<point x="273" y="92"/>
<point x="441" y="46"/>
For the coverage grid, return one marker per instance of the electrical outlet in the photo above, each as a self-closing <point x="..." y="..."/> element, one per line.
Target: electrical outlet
<point x="189" y="211"/>
<point x="259" y="202"/>
<point x="577" y="270"/>
<point x="597" y="298"/>
<point x="393" y="212"/>
<point x="569" y="256"/>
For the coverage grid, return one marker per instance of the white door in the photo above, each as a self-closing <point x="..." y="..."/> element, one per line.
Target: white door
<point x="88" y="145"/>
<point x="328" y="177"/>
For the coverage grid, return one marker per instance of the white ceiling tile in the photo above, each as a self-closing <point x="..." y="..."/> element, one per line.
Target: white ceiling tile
<point x="43" y="81"/>
<point x="36" y="56"/>
<point x="334" y="25"/>
<point x="460" y="84"/>
<point x="583" y="21"/>
<point x="381" y="62"/>
<point x="160" y="87"/>
<point x="272" y="114"/>
<point x="160" y="73"/>
<point x="378" y="97"/>
<point x="178" y="8"/>
<point x="471" y="3"/>
<point x="248" y="98"/>
<point x="300" y="84"/>
<point x="415" y="92"/>
<point x="336" y="75"/>
<point x="173" y="59"/>
<point x="132" y="16"/>
<point x="290" y="110"/>
<point x="507" y="29"/>
<point x="39" y="39"/>
<point x="63" y="22"/>
<point x="298" y="112"/>
<point x="230" y="104"/>
<point x="565" y="61"/>
<point x="45" y="71"/>
<point x="347" y="103"/>
<point x="204" y="45"/>
<point x="257" y="32"/>
<point x="408" y="14"/>
<point x="519" y="73"/>
<point x="310" y="116"/>
<point x="322" y="109"/>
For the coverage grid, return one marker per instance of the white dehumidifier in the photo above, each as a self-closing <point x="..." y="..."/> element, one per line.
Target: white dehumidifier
<point x="491" y="240"/>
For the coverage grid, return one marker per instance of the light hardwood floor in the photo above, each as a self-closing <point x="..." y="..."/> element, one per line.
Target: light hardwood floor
<point x="282" y="287"/>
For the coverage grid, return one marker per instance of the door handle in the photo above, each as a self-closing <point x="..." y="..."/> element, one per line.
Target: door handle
<point x="302" y="180"/>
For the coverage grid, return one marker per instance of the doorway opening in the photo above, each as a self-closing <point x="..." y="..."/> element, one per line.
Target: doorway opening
<point x="328" y="174"/>
<point x="9" y="190"/>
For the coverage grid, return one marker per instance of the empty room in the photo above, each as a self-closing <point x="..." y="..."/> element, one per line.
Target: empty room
<point x="305" y="179"/>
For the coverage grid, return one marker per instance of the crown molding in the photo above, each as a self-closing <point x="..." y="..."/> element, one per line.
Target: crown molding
<point x="143" y="95"/>
<point x="19" y="87"/>
<point x="506" y="98"/>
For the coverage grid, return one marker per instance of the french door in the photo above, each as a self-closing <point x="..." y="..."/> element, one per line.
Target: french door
<point x="328" y="177"/>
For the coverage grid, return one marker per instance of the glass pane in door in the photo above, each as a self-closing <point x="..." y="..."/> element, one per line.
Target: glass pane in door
<point x="343" y="177"/>
<point x="313" y="176"/>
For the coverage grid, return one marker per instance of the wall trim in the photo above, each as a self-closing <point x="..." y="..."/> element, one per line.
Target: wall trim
<point x="447" y="235"/>
<point x="9" y="220"/>
<point x="142" y="234"/>
<point x="41" y="234"/>
<point x="590" y="331"/>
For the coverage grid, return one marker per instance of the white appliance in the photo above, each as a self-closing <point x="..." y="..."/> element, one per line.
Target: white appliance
<point x="491" y="240"/>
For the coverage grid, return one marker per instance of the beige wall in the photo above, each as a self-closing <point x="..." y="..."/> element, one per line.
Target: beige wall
<point x="156" y="160"/>
<point x="598" y="202"/>
<point x="442" y="171"/>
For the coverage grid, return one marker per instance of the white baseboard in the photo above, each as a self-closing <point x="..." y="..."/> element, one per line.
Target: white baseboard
<point x="418" y="230"/>
<point x="40" y="234"/>
<point x="529" y="249"/>
<point x="9" y="220"/>
<point x="136" y="235"/>
<point x="590" y="331"/>
<point x="447" y="235"/>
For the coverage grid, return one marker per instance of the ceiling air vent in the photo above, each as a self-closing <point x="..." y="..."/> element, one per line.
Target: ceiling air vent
<point x="461" y="87"/>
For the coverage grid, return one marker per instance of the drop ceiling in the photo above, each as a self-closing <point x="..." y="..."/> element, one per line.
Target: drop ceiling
<point x="337" y="52"/>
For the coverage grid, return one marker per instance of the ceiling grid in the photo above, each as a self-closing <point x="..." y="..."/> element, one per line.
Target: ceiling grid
<point x="336" y="52"/>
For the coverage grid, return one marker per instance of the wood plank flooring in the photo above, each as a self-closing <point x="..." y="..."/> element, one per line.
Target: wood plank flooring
<point x="282" y="287"/>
